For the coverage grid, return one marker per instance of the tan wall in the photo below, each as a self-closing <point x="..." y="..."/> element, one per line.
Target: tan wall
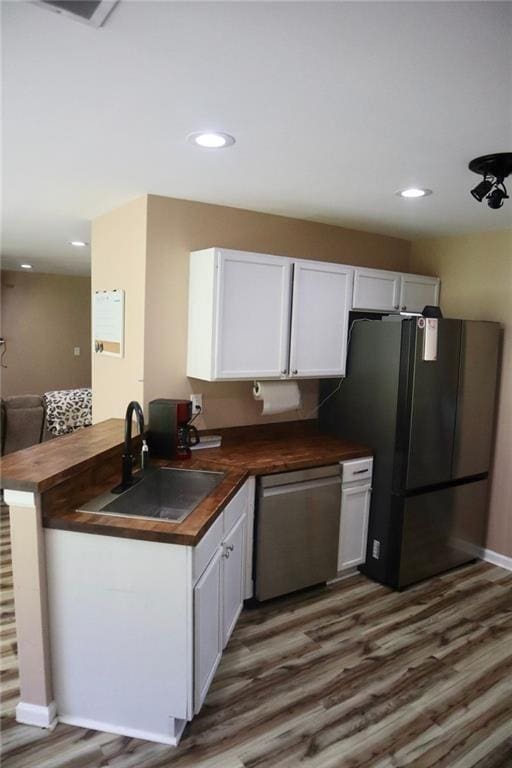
<point x="176" y="227"/>
<point x="476" y="283"/>
<point x="119" y="261"/>
<point x="43" y="318"/>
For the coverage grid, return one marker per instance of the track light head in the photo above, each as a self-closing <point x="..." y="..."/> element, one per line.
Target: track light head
<point x="494" y="169"/>
<point x="496" y="198"/>
<point x="482" y="189"/>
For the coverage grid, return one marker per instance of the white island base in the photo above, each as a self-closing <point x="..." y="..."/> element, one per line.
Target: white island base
<point x="134" y="646"/>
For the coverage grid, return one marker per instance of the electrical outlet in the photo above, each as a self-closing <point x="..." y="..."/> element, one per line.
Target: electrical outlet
<point x="376" y="549"/>
<point x="197" y="403"/>
<point x="76" y="351"/>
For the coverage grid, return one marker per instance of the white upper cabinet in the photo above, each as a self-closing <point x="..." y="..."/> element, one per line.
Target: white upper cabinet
<point x="244" y="324"/>
<point x="418" y="292"/>
<point x="321" y="298"/>
<point x="238" y="321"/>
<point x="376" y="289"/>
<point x="382" y="291"/>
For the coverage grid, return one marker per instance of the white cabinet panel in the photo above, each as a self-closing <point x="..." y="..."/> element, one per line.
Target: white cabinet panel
<point x="207" y="636"/>
<point x="418" y="292"/>
<point x="242" y="325"/>
<point x="236" y="507"/>
<point x="252" y="333"/>
<point x="249" y="537"/>
<point x="233" y="578"/>
<point x="355" y="508"/>
<point x="357" y="470"/>
<point x="321" y="300"/>
<point x="204" y="551"/>
<point x="376" y="289"/>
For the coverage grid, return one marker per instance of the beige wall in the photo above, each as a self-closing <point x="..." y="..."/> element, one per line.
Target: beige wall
<point x="119" y="261"/>
<point x="176" y="227"/>
<point x="476" y="283"/>
<point x="43" y="318"/>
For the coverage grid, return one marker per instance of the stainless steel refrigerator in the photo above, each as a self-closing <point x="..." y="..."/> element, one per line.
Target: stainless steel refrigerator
<point x="430" y="424"/>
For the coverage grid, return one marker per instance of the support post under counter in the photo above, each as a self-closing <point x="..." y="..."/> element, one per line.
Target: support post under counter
<point x="36" y="706"/>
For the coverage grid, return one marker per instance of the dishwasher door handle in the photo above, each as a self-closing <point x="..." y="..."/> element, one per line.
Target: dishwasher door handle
<point x="279" y="490"/>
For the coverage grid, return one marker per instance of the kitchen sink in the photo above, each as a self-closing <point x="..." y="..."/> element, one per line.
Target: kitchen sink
<point x="164" y="493"/>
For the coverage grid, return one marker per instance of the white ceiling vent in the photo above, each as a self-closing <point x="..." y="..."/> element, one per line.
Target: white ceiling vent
<point x="93" y="12"/>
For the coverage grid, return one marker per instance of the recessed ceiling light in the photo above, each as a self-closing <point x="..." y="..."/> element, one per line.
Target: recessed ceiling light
<point x="211" y="139"/>
<point x="26" y="266"/>
<point x="414" y="192"/>
<point x="78" y="243"/>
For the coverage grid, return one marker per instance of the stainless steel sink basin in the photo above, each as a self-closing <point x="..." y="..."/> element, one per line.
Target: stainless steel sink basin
<point x="164" y="493"/>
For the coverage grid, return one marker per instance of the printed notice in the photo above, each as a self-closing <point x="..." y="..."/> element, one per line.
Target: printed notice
<point x="108" y="323"/>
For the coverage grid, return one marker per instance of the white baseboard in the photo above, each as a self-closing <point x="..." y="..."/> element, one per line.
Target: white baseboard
<point x="96" y="725"/>
<point x="34" y="714"/>
<point x="495" y="558"/>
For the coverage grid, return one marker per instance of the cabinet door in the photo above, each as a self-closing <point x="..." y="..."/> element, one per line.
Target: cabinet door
<point x="321" y="302"/>
<point x="207" y="639"/>
<point x="417" y="292"/>
<point x="376" y="289"/>
<point x="253" y="316"/>
<point x="233" y="577"/>
<point x="355" y="507"/>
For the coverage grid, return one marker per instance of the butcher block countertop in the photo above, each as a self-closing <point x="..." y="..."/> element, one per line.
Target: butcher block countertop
<point x="73" y="469"/>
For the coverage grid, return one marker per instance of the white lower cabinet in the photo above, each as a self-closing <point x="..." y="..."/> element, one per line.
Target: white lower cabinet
<point x="233" y="573"/>
<point x="137" y="627"/>
<point x="218" y="601"/>
<point x="207" y="639"/>
<point x="355" y="509"/>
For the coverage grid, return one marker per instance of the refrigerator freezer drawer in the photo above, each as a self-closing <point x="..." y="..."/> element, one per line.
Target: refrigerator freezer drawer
<point x="442" y="529"/>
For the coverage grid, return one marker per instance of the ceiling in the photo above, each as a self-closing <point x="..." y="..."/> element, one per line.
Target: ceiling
<point x="334" y="107"/>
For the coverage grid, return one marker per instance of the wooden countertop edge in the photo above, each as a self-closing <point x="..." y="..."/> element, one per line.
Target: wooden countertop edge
<point x="67" y="468"/>
<point x="198" y="522"/>
<point x="12" y="484"/>
<point x="167" y="532"/>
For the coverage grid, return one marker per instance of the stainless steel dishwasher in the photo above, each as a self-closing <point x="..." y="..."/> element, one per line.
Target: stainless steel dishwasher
<point x="297" y="530"/>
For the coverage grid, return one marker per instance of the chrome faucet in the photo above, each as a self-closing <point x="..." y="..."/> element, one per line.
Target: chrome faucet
<point x="127" y="478"/>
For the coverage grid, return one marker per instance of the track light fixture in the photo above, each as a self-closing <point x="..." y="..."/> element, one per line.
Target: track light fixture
<point x="494" y="169"/>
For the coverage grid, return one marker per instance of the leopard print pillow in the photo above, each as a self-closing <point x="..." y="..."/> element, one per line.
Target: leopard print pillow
<point x="68" y="410"/>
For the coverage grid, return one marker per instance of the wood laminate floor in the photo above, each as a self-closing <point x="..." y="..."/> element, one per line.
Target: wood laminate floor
<point x="347" y="676"/>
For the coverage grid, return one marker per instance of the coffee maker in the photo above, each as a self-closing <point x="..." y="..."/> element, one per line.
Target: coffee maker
<point x="170" y="433"/>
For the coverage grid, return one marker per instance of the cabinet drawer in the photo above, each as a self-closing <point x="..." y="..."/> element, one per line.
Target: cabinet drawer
<point x="236" y="508"/>
<point x="205" y="550"/>
<point x="357" y="469"/>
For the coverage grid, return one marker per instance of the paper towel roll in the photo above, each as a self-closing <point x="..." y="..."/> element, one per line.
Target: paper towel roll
<point x="277" y="396"/>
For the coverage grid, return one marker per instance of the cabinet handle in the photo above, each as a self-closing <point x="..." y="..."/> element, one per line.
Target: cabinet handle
<point x="295" y="371"/>
<point x="284" y="372"/>
<point x="360" y="471"/>
<point x="230" y="547"/>
<point x="396" y="306"/>
<point x="225" y="554"/>
<point x="404" y="307"/>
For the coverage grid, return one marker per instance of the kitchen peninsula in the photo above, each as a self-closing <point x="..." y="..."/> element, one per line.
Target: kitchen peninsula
<point x="122" y="621"/>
